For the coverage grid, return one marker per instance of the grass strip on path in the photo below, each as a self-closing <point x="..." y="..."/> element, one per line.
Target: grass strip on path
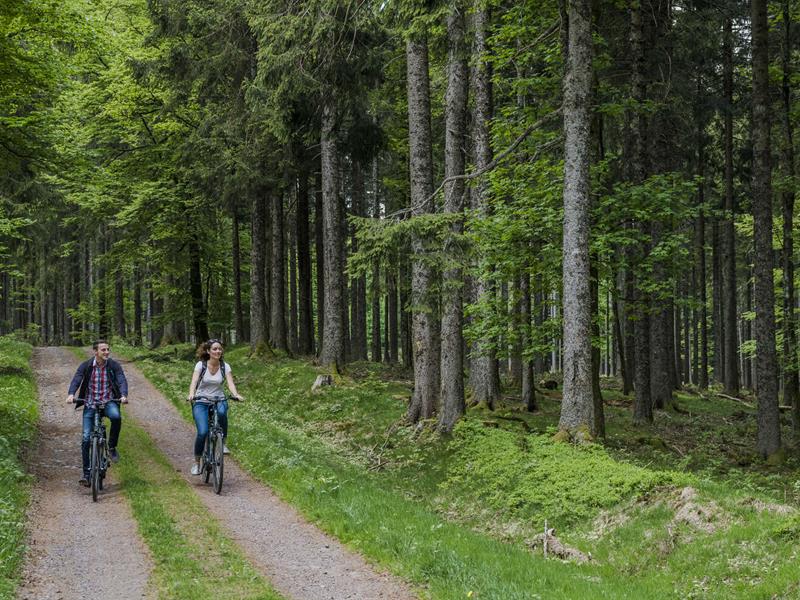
<point x="18" y="416"/>
<point x="193" y="557"/>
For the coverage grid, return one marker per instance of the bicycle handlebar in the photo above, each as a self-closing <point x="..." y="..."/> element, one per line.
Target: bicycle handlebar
<point x="216" y="399"/>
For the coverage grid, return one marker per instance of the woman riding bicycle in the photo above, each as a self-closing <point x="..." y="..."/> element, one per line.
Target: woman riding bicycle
<point x="210" y="375"/>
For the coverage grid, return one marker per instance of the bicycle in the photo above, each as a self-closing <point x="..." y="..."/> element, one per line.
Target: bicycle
<point x="212" y="461"/>
<point x="99" y="456"/>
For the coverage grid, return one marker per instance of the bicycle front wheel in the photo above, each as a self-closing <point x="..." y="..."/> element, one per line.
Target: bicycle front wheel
<point x="219" y="457"/>
<point x="205" y="460"/>
<point x="94" y="468"/>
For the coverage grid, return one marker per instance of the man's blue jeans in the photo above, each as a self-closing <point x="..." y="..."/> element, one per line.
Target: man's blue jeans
<point x="200" y="412"/>
<point x="113" y="414"/>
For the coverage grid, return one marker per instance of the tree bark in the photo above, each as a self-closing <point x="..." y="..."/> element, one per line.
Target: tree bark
<point x="199" y="312"/>
<point x="731" y="353"/>
<point x="277" y="327"/>
<point x="484" y="378"/>
<point x="375" y="287"/>
<point x="528" y="373"/>
<point x="137" y="306"/>
<point x="258" y="306"/>
<point x="423" y="327"/>
<point x="332" y="351"/>
<point x="452" y="358"/>
<point x="791" y="383"/>
<point x="238" y="311"/>
<point x="577" y="406"/>
<point x="319" y="244"/>
<point x="769" y="432"/>
<point x="304" y="293"/>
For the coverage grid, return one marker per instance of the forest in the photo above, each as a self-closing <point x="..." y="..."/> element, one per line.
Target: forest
<point x="482" y="192"/>
<point x="573" y="217"/>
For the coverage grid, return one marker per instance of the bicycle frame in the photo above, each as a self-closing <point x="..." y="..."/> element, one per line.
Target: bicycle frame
<point x="212" y="460"/>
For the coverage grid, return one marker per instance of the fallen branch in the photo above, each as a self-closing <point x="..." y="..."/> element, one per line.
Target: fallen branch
<point x="745" y="402"/>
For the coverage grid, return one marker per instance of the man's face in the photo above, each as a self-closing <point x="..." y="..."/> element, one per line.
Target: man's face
<point x="102" y="352"/>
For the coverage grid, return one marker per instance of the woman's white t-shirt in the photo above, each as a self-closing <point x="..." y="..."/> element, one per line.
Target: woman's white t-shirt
<point x="211" y="385"/>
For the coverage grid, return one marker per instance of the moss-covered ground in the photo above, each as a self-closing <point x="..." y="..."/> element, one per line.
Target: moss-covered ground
<point x="680" y="509"/>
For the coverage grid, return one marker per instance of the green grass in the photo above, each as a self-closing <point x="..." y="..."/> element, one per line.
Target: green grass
<point x="452" y="515"/>
<point x="193" y="557"/>
<point x="18" y="417"/>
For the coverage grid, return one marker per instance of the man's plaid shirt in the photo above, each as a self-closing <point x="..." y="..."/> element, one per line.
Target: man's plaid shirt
<point x="99" y="386"/>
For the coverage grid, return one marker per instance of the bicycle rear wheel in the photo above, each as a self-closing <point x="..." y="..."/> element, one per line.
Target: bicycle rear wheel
<point x="94" y="468"/>
<point x="219" y="455"/>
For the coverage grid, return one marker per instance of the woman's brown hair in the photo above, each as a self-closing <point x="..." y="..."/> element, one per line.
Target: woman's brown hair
<point x="204" y="348"/>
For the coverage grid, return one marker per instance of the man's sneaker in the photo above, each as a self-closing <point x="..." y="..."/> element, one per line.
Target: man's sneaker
<point x="84" y="481"/>
<point x="225" y="449"/>
<point x="112" y="452"/>
<point x="195" y="469"/>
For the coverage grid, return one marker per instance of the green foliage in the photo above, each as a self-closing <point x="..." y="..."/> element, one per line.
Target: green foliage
<point x="536" y="479"/>
<point x="18" y="416"/>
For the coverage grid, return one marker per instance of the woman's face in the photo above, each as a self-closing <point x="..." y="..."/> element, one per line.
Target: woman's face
<point x="216" y="350"/>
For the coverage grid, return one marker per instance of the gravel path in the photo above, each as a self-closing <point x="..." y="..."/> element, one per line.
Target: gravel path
<point x="77" y="548"/>
<point x="301" y="562"/>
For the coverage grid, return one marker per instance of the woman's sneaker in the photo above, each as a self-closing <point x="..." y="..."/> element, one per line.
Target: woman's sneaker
<point x="195" y="469"/>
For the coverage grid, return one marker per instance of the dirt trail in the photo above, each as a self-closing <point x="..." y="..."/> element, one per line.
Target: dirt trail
<point x="301" y="562"/>
<point x="77" y="548"/>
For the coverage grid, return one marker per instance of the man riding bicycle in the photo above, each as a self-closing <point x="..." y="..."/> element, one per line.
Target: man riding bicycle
<point x="101" y="385"/>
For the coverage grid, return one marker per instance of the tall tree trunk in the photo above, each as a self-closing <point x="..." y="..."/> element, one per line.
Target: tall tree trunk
<point x="424" y="327"/>
<point x="319" y="244"/>
<point x="528" y="373"/>
<point x="137" y="305"/>
<point x="332" y="351"/>
<point x="577" y="406"/>
<point x="731" y="367"/>
<point x="484" y="378"/>
<point x="238" y="312"/>
<point x="769" y="431"/>
<point x="258" y="305"/>
<point x="701" y="331"/>
<point x="305" y="317"/>
<point x="392" y="315"/>
<point x="375" y="287"/>
<point x="277" y="327"/>
<point x="791" y="383"/>
<point x="199" y="312"/>
<point x="291" y="243"/>
<point x="119" y="303"/>
<point x="452" y="359"/>
<point x="716" y="300"/>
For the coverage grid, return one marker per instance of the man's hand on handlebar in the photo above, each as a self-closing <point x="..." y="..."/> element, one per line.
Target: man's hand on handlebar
<point x="71" y="399"/>
<point x="123" y="399"/>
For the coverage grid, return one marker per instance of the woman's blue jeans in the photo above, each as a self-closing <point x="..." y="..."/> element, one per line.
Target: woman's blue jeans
<point x="200" y="413"/>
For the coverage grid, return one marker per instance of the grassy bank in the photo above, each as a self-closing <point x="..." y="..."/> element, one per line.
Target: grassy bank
<point x="456" y="515"/>
<point x="18" y="416"/>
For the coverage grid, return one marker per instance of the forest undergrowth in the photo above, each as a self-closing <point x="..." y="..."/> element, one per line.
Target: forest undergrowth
<point x="677" y="509"/>
<point x="18" y="416"/>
